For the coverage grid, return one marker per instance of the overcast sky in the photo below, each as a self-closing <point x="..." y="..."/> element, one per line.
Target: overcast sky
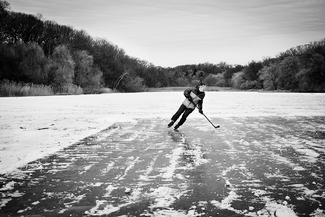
<point x="176" y="32"/>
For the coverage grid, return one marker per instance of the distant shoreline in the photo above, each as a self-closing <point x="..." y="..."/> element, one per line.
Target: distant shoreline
<point x="216" y="89"/>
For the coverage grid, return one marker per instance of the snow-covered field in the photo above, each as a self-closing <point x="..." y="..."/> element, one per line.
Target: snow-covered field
<point x="34" y="127"/>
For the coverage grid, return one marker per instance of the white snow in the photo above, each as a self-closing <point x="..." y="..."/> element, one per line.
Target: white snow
<point x="33" y="127"/>
<point x="168" y="172"/>
<point x="8" y="186"/>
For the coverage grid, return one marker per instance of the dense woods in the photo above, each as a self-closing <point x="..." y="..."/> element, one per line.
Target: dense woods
<point x="43" y="53"/>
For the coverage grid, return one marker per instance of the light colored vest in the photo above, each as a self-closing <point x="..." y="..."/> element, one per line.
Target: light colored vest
<point x="189" y="104"/>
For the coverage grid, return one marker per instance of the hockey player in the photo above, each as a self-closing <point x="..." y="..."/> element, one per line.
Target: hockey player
<point x="193" y="98"/>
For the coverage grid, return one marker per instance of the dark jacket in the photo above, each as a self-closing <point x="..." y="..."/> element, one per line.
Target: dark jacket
<point x="194" y="98"/>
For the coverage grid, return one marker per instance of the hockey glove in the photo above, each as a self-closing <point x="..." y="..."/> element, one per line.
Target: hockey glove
<point x="201" y="111"/>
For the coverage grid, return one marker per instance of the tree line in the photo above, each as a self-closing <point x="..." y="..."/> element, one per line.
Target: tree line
<point x="38" y="51"/>
<point x="299" y="69"/>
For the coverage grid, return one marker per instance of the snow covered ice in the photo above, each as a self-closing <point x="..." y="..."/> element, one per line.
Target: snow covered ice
<point x="270" y="148"/>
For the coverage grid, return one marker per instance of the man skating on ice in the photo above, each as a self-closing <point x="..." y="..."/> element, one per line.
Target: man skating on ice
<point x="193" y="98"/>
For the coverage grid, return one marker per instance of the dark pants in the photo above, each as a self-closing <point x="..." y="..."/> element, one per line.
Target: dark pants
<point x="182" y="110"/>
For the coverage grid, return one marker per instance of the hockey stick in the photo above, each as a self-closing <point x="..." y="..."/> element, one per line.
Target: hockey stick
<point x="210" y="122"/>
<point x="208" y="118"/>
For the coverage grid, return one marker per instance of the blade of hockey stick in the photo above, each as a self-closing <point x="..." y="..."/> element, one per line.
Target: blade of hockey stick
<point x="210" y="121"/>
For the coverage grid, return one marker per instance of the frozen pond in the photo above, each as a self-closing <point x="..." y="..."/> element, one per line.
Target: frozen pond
<point x="267" y="159"/>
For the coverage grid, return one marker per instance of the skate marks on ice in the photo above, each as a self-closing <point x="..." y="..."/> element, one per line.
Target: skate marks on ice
<point x="135" y="168"/>
<point x="273" y="165"/>
<point x="265" y="166"/>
